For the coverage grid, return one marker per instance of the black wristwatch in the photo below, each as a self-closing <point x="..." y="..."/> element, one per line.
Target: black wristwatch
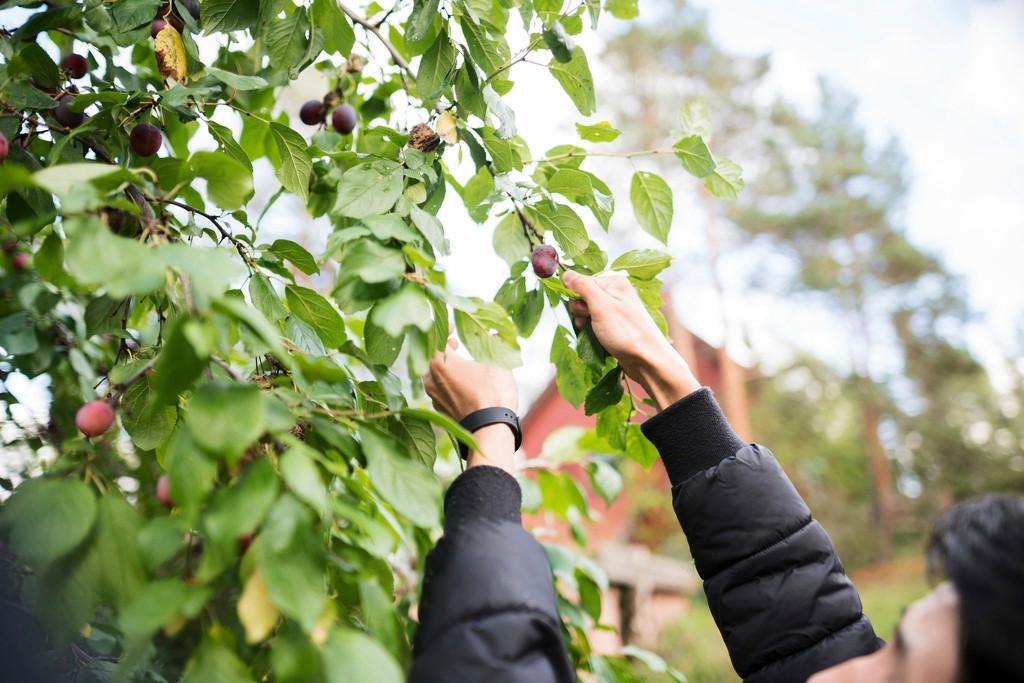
<point x="490" y="416"/>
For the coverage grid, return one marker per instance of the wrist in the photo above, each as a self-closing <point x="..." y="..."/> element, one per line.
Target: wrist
<point x="497" y="447"/>
<point x="664" y="375"/>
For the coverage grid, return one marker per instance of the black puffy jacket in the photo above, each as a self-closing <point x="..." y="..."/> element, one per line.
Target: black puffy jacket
<point x="774" y="583"/>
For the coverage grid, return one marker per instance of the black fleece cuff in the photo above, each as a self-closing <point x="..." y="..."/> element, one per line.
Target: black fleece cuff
<point x="692" y="435"/>
<point x="483" y="492"/>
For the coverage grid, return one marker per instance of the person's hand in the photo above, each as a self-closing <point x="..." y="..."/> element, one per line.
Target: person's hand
<point x="621" y="323"/>
<point x="458" y="386"/>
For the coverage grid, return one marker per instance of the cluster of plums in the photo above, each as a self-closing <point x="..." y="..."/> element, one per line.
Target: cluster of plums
<point x="314" y="113"/>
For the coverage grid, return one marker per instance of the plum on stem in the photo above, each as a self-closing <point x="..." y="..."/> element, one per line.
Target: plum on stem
<point x="544" y="260"/>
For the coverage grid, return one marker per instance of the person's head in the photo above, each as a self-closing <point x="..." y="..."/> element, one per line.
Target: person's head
<point x="970" y="628"/>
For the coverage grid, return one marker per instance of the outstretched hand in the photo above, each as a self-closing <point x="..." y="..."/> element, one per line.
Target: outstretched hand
<point x="458" y="386"/>
<point x="621" y="323"/>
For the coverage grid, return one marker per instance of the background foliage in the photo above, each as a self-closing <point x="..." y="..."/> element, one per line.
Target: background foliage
<point x="285" y="422"/>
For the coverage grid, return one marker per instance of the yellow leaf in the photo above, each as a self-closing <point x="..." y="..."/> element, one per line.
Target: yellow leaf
<point x="446" y="128"/>
<point x="170" y="54"/>
<point x="173" y="626"/>
<point x="257" y="614"/>
<point x="322" y="627"/>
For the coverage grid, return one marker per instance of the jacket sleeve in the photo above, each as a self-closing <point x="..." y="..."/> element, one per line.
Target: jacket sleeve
<point x="487" y="609"/>
<point x="774" y="583"/>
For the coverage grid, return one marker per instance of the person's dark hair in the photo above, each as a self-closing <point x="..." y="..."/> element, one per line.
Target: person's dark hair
<point x="978" y="546"/>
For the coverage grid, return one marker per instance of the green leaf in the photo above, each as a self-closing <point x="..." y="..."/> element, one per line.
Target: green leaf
<point x="489" y="334"/>
<point x="23" y="96"/>
<point x="623" y="9"/>
<point x="240" y="509"/>
<point x="18" y="334"/>
<point x="605" y="479"/>
<point x="265" y="299"/>
<point x="180" y="361"/>
<point x="390" y="226"/>
<point x="286" y="41"/>
<point x="122" y="266"/>
<point x="381" y="347"/>
<point x="436" y="67"/>
<point x="365" y="190"/>
<point x="318" y="312"/>
<point x="335" y="26"/>
<point x="297" y="254"/>
<point x="408" y="485"/>
<point x="230" y="146"/>
<point x="408" y="306"/>
<point x="237" y="81"/>
<point x="303" y="478"/>
<point x="567" y="226"/>
<point x="643" y="264"/>
<point x="489" y="53"/>
<point x="149" y="424"/>
<point x="152" y="607"/>
<point x="420" y="19"/>
<point x="726" y="181"/>
<point x="574" y="77"/>
<point x="296" y="165"/>
<point x="212" y="661"/>
<point x="192" y="474"/>
<point x="48" y="518"/>
<point x="350" y="655"/>
<point x="225" y="419"/>
<point x="229" y="15"/>
<point x="606" y="393"/>
<point x="558" y="40"/>
<point x="509" y="241"/>
<point x="294" y="573"/>
<point x="695" y="155"/>
<point x="64" y="178"/>
<point x="602" y="131"/>
<point x="228" y="181"/>
<point x="652" y="204"/>
<point x="431" y="229"/>
<point x="371" y="262"/>
<point x="639" y="448"/>
<point x="695" y="118"/>
<point x="445" y="423"/>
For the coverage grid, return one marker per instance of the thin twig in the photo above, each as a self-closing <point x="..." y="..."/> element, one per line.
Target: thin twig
<point x="242" y="251"/>
<point x="369" y="26"/>
<point x="223" y="364"/>
<point x="121" y="387"/>
<point x="528" y="226"/>
<point x="585" y="154"/>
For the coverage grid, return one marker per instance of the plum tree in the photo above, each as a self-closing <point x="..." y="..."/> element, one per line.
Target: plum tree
<point x="94" y="418"/>
<point x="146" y="139"/>
<point x="344" y="119"/>
<point x="274" y="388"/>
<point x="544" y="260"/>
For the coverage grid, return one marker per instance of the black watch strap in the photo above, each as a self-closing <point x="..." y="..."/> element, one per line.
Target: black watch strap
<point x="479" y="419"/>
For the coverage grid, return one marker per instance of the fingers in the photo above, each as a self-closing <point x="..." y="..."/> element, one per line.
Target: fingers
<point x="580" y="313"/>
<point x="586" y="286"/>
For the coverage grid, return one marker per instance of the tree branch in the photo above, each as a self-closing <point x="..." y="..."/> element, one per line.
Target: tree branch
<point x="375" y="30"/>
<point x="242" y="251"/>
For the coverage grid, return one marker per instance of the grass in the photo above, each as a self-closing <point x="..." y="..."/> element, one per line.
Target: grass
<point x="694" y="646"/>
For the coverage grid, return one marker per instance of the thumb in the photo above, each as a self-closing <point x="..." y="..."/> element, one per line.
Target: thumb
<point x="585" y="286"/>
